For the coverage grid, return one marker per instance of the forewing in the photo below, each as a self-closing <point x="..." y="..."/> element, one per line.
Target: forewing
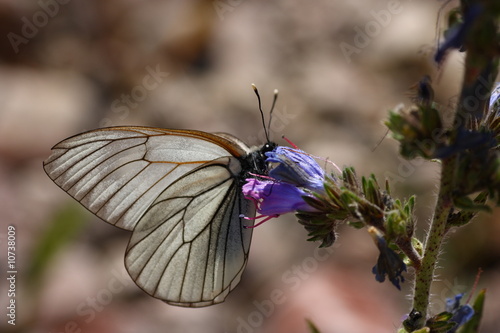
<point x="118" y="172"/>
<point x="190" y="246"/>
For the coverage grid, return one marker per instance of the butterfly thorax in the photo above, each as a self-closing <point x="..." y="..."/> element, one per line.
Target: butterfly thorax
<point x="255" y="161"/>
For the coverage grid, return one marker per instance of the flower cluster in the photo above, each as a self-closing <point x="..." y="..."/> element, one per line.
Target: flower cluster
<point x="284" y="190"/>
<point x="468" y="151"/>
<point x="474" y="144"/>
<point x="320" y="201"/>
<point x="467" y="147"/>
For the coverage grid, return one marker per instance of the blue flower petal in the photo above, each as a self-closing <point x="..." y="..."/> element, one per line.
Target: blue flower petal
<point x="296" y="167"/>
<point x="461" y="316"/>
<point x="456" y="35"/>
<point x="389" y="262"/>
<point x="461" y="313"/>
<point x="467" y="139"/>
<point x="453" y="303"/>
<point x="275" y="198"/>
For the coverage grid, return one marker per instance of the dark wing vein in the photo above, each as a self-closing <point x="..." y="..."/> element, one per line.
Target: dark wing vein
<point x="117" y="173"/>
<point x="168" y="235"/>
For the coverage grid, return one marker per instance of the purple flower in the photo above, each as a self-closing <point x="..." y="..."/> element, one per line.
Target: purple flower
<point x="275" y="198"/>
<point x="281" y="191"/>
<point x="461" y="313"/>
<point x="388" y="263"/>
<point x="468" y="139"/>
<point x="296" y="167"/>
<point x="455" y="36"/>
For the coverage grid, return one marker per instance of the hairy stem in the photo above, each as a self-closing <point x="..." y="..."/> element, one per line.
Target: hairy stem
<point x="412" y="254"/>
<point x="480" y="71"/>
<point x="425" y="274"/>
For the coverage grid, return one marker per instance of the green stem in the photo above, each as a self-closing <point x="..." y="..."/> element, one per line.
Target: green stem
<point x="481" y="60"/>
<point x="425" y="274"/>
<point x="407" y="248"/>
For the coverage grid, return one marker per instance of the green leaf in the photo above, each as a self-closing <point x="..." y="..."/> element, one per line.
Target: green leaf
<point x="467" y="204"/>
<point x="410" y="204"/>
<point x="387" y="187"/>
<point x="423" y="330"/>
<point x="463" y="217"/>
<point x="356" y="224"/>
<point x="313" y="202"/>
<point x="328" y="240"/>
<point x="431" y="119"/>
<point x="440" y="323"/>
<point x="350" y="179"/>
<point x="333" y="195"/>
<point x="371" y="189"/>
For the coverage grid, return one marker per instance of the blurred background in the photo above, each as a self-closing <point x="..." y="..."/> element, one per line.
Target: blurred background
<point x="67" y="66"/>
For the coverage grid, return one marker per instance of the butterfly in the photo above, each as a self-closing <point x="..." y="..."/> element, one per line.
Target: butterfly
<point x="179" y="192"/>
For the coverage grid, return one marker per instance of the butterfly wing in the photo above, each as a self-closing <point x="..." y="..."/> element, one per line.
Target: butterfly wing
<point x="190" y="247"/>
<point x="178" y="191"/>
<point x="117" y="172"/>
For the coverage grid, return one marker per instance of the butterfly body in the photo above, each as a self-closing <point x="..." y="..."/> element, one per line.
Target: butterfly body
<point x="179" y="192"/>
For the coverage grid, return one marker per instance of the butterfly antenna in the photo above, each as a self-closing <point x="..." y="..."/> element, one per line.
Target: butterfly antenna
<point x="275" y="98"/>
<point x="256" y="91"/>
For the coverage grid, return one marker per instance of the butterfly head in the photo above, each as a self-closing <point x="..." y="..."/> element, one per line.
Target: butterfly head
<point x="255" y="162"/>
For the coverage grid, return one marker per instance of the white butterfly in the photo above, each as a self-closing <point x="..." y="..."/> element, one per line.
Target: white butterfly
<point x="179" y="192"/>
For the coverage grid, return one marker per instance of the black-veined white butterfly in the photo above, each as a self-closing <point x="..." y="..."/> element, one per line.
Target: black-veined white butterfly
<point x="179" y="192"/>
